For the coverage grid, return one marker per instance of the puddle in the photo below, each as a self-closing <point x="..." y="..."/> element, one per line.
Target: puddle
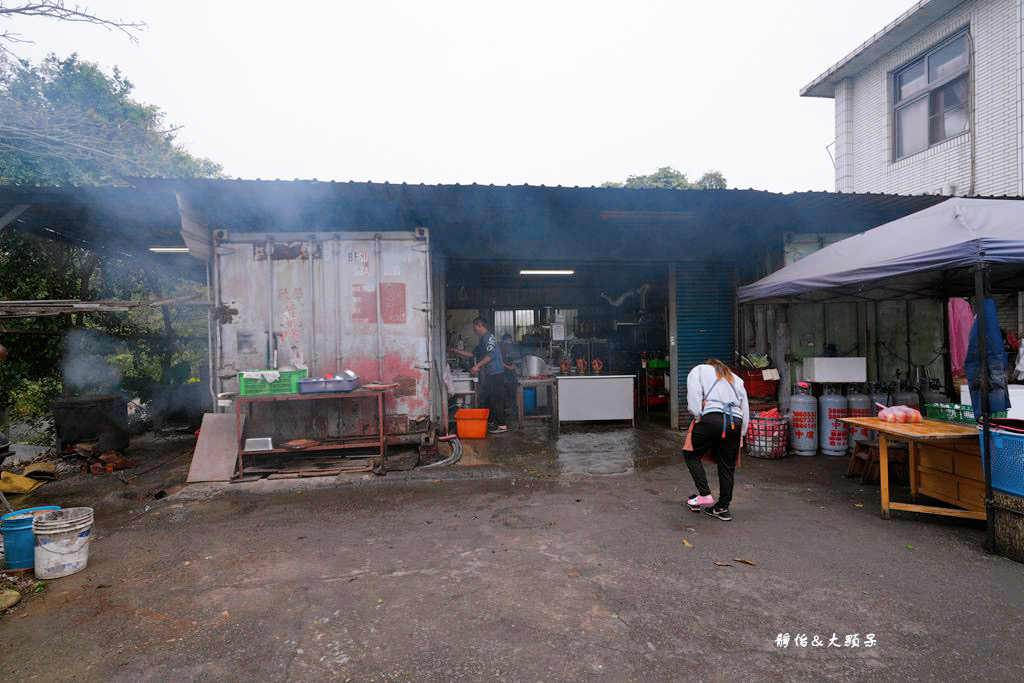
<point x="594" y="449"/>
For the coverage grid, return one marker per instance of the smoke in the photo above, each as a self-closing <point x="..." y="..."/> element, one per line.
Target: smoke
<point x="85" y="367"/>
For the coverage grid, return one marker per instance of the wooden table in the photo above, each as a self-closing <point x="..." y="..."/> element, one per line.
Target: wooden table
<point x="944" y="462"/>
<point x="378" y="440"/>
<point x="538" y="383"/>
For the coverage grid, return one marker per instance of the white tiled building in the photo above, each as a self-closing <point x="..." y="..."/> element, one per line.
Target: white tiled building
<point x="932" y="103"/>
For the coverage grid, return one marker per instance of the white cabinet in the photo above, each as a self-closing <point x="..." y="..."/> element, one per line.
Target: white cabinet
<point x="586" y="398"/>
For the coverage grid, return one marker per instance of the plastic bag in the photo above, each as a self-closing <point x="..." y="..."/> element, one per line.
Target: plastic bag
<point x="761" y="430"/>
<point x="898" y="414"/>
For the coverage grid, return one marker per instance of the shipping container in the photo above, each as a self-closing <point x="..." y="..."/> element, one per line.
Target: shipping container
<point x="329" y="302"/>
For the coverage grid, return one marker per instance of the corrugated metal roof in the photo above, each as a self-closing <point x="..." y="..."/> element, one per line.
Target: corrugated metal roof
<point x="467" y="221"/>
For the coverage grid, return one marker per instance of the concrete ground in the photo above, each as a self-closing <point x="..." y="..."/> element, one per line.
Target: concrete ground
<point x="559" y="566"/>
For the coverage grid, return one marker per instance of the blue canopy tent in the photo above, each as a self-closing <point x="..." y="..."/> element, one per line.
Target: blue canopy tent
<point x="959" y="247"/>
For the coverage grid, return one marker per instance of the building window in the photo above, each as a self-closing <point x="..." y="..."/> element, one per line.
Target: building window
<point x="515" y="323"/>
<point x="931" y="97"/>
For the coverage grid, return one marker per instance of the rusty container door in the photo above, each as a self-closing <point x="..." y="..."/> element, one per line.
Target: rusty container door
<point x="318" y="298"/>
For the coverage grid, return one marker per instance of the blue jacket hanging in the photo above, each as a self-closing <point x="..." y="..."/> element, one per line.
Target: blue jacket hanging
<point x="998" y="397"/>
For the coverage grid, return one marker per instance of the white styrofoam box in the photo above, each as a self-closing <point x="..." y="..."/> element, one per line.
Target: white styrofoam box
<point x="835" y="370"/>
<point x="1016" y="400"/>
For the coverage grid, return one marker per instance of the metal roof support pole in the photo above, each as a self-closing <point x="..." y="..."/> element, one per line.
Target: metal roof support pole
<point x="980" y="271"/>
<point x="432" y="360"/>
<point x="211" y="312"/>
<point x="380" y="322"/>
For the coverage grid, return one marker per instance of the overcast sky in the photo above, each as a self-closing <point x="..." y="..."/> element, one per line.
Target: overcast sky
<point x="570" y="93"/>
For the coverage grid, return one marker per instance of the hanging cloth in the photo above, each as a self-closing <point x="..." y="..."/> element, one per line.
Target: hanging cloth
<point x="961" y="319"/>
<point x="998" y="396"/>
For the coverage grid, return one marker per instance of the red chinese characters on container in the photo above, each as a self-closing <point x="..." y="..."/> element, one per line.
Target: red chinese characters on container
<point x="392" y="304"/>
<point x="804" y="424"/>
<point x="837" y="430"/>
<point x="804" y="420"/>
<point x="857" y="432"/>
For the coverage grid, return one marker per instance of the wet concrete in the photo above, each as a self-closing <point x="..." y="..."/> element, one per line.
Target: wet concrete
<point x="491" y="572"/>
<point x="579" y="449"/>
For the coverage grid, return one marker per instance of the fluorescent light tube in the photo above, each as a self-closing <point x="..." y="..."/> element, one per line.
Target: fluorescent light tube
<point x="534" y="271"/>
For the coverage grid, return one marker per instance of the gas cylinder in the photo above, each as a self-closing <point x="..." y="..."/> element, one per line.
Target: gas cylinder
<point x="906" y="397"/>
<point x="803" y="421"/>
<point x="832" y="432"/>
<point x="858" y="405"/>
<point x="933" y="394"/>
<point x="879" y="394"/>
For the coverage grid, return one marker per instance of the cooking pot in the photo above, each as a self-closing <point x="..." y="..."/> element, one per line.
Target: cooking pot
<point x="535" y="366"/>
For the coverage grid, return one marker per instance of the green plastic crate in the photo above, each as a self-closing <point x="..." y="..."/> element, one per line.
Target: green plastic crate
<point x="954" y="412"/>
<point x="287" y="383"/>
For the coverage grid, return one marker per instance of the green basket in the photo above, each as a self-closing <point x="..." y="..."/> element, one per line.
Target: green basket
<point x="954" y="412"/>
<point x="287" y="383"/>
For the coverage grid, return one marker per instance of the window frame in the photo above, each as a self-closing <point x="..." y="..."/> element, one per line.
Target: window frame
<point x="927" y="92"/>
<point x="518" y="322"/>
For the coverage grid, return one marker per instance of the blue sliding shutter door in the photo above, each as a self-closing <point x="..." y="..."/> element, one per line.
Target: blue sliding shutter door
<point x="705" y="306"/>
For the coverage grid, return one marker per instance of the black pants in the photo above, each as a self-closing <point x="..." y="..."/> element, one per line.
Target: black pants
<point x="495" y="397"/>
<point x="707" y="438"/>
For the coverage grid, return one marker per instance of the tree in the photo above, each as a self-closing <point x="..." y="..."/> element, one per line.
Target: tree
<point x="668" y="178"/>
<point x="66" y="121"/>
<point x="712" y="180"/>
<point x="58" y="10"/>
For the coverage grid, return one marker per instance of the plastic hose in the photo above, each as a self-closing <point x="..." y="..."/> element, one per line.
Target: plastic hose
<point x="453" y="458"/>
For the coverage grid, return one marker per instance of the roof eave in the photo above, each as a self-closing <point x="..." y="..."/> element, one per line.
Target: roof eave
<point x="897" y="32"/>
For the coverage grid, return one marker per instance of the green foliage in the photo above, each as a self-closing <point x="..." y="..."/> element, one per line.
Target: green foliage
<point x="67" y="121"/>
<point x="31" y="398"/>
<point x="668" y="178"/>
<point x="712" y="180"/>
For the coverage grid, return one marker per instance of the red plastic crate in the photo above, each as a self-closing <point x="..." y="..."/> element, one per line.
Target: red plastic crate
<point x="756" y="386"/>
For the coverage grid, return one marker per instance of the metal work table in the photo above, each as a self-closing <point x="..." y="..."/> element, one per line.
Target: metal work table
<point x="378" y="441"/>
<point x="538" y="383"/>
<point x="944" y="463"/>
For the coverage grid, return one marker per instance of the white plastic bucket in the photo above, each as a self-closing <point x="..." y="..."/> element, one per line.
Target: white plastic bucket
<point x="62" y="542"/>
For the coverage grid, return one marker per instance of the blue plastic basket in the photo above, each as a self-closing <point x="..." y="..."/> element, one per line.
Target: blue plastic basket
<point x="1007" y="460"/>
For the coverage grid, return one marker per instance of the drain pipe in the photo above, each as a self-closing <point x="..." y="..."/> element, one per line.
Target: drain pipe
<point x="380" y="322"/>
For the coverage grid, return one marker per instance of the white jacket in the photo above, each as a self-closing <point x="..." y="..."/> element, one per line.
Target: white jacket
<point x="705" y="393"/>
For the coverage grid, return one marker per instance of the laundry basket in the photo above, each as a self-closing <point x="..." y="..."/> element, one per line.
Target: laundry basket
<point x="1007" y="458"/>
<point x="766" y="437"/>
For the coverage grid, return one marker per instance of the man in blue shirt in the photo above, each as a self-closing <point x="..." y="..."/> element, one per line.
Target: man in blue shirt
<point x="491" y="367"/>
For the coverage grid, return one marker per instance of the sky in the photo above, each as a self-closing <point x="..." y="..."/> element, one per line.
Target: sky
<point x="544" y="93"/>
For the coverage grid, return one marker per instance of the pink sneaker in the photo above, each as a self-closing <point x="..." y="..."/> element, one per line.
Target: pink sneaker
<point x="697" y="502"/>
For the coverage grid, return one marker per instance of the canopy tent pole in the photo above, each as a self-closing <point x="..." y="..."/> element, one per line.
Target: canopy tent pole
<point x="980" y="271"/>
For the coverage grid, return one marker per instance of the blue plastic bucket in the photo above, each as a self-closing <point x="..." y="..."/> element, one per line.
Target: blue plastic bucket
<point x="529" y="400"/>
<point x="19" y="541"/>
